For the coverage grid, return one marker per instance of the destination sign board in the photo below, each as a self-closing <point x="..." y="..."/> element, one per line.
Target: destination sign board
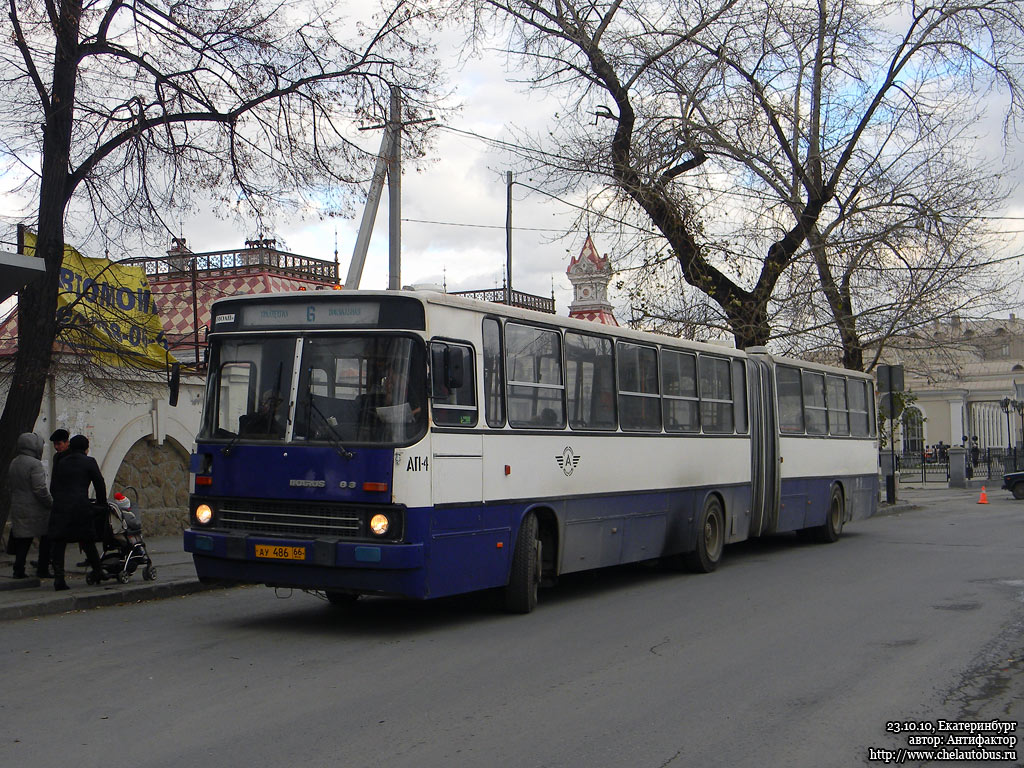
<point x="310" y="314"/>
<point x="251" y="313"/>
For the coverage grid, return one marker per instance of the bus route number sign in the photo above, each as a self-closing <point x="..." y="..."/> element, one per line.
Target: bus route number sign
<point x="267" y="552"/>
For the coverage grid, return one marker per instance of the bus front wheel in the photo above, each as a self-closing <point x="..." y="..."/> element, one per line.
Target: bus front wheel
<point x="524" y="580"/>
<point x="710" y="539"/>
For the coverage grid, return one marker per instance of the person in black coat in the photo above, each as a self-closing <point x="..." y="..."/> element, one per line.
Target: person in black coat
<point x="72" y="516"/>
<point x="61" y="442"/>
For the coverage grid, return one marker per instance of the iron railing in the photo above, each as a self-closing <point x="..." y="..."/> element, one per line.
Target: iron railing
<point x="510" y="298"/>
<point x="178" y="266"/>
<point x="933" y="466"/>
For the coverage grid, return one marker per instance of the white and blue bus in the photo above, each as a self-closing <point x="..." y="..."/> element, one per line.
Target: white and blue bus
<point x="419" y="444"/>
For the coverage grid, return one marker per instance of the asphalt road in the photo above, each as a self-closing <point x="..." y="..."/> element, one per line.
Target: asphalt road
<point x="790" y="654"/>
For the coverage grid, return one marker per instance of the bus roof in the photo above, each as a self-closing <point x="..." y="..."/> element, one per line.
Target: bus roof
<point x="439" y="298"/>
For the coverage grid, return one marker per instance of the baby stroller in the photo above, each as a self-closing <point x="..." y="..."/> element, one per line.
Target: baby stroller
<point x="123" y="547"/>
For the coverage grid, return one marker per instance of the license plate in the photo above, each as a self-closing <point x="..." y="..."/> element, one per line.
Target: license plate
<point x="280" y="553"/>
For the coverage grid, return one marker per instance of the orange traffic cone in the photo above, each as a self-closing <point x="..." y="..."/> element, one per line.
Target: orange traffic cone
<point x="983" y="499"/>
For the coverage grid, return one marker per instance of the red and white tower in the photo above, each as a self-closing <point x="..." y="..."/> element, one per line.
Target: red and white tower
<point x="590" y="275"/>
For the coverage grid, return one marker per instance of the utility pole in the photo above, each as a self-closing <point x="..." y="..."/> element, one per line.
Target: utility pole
<point x="389" y="163"/>
<point x="508" y="239"/>
<point x="355" y="267"/>
<point x="395" y="192"/>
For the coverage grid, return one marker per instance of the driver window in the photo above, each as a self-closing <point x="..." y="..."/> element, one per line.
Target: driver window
<point x="453" y="396"/>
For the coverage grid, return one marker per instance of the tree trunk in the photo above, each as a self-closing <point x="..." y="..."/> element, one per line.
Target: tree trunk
<point x="37" y="302"/>
<point x="840" y="303"/>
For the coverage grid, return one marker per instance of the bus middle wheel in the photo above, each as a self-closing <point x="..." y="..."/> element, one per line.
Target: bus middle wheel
<point x="833" y="527"/>
<point x="710" y="539"/>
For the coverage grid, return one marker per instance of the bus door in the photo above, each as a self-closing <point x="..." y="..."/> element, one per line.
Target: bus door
<point x="456" y="467"/>
<point x="764" y="449"/>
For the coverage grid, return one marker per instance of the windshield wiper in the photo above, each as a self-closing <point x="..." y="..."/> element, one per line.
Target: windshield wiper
<point x="226" y="450"/>
<point x="333" y="437"/>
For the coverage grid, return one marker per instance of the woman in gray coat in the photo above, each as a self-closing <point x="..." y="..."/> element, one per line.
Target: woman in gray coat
<point x="30" y="504"/>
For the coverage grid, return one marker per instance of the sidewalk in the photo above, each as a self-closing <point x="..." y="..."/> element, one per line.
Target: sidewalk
<point x="918" y="494"/>
<point x="25" y="598"/>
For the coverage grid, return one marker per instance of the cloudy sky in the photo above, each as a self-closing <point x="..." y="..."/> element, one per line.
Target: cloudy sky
<point x="453" y="210"/>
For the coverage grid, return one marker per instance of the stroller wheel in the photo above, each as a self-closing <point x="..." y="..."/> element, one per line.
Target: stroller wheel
<point x="149" y="573"/>
<point x="123" y="577"/>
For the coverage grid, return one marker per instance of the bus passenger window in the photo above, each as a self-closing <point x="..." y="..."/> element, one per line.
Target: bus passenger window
<point x="859" y="415"/>
<point x="716" y="406"/>
<point x="815" y="414"/>
<point x="453" y="390"/>
<point x="791" y="409"/>
<point x="589" y="381"/>
<point x="679" y="391"/>
<point x="639" y="401"/>
<point x="494" y="378"/>
<point x="533" y="364"/>
<point x="838" y="409"/>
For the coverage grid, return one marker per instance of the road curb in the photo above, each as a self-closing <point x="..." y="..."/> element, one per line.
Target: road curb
<point x="885" y="510"/>
<point x="80" y="602"/>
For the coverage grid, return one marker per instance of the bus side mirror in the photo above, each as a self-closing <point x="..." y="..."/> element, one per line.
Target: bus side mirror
<point x="174" y="382"/>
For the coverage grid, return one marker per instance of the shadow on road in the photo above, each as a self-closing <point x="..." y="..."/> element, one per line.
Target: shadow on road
<point x="384" y="616"/>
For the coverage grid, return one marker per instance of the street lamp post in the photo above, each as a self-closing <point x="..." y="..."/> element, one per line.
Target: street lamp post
<point x="1018" y="406"/>
<point x="1006" y="404"/>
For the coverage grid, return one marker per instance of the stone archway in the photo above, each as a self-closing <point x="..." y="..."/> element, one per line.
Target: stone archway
<point x="160" y="475"/>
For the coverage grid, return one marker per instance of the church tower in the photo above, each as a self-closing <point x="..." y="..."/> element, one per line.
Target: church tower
<point x="590" y="275"/>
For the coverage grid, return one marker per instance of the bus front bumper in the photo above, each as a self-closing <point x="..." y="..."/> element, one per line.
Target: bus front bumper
<point x="319" y="564"/>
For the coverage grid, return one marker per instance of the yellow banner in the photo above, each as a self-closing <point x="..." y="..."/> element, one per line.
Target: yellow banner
<point x="107" y="310"/>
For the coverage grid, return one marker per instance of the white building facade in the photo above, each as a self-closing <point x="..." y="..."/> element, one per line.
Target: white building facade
<point x="968" y="381"/>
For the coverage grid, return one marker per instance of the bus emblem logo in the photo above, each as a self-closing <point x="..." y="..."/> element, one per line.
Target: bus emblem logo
<point x="567" y="461"/>
<point x="298" y="483"/>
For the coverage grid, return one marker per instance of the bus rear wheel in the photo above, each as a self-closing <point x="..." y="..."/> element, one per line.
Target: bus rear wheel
<point x="524" y="580"/>
<point x="710" y="539"/>
<point x="833" y="527"/>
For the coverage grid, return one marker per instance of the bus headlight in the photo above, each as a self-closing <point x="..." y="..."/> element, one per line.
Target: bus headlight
<point x="379" y="524"/>
<point x="204" y="514"/>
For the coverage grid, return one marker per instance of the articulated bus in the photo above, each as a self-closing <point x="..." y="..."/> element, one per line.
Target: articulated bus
<point x="418" y="444"/>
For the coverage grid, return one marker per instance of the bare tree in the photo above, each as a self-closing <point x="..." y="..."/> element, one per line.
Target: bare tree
<point x="126" y="110"/>
<point x="738" y="128"/>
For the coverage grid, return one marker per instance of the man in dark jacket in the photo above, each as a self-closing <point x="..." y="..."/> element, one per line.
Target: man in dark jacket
<point x="72" y="517"/>
<point x="60" y="438"/>
<point x="30" y="505"/>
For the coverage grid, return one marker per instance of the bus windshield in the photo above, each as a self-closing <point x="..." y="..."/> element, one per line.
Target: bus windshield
<point x="352" y="389"/>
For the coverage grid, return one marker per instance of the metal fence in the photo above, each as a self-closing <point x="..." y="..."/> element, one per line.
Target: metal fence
<point x="178" y="266"/>
<point x="933" y="467"/>
<point x="517" y="299"/>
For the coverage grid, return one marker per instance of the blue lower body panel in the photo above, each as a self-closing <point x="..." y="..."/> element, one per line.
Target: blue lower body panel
<point x="463" y="548"/>
<point x="804" y="501"/>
